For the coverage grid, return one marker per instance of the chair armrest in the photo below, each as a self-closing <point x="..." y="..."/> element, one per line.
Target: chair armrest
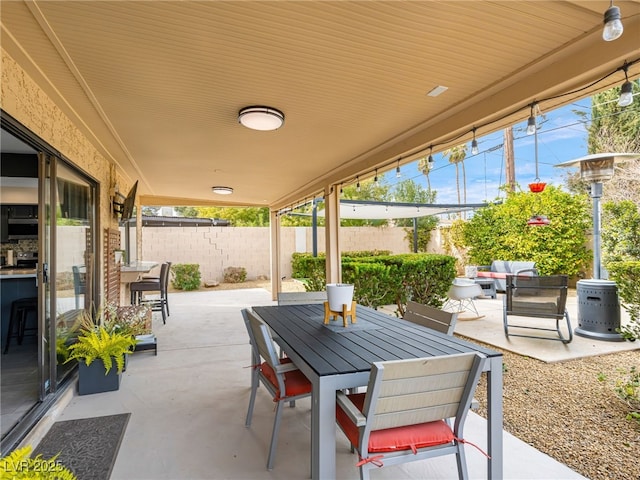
<point x="286" y="367"/>
<point x="532" y="270"/>
<point x="351" y="410"/>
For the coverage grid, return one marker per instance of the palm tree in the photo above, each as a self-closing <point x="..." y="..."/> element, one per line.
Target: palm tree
<point x="425" y="167"/>
<point x="457" y="155"/>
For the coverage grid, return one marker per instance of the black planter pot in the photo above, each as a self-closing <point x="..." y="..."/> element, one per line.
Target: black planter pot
<point x="91" y="379"/>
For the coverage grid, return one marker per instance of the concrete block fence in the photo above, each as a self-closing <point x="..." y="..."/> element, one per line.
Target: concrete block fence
<point x="216" y="248"/>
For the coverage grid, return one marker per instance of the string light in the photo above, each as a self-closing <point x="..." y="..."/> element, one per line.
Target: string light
<point x="398" y="172"/>
<point x="474" y="143"/>
<point x="626" y="96"/>
<point x="375" y="179"/>
<point x="626" y="91"/>
<point x="531" y="122"/>
<point x="612" y="24"/>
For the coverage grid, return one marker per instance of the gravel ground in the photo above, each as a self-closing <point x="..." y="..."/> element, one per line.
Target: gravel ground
<point x="561" y="409"/>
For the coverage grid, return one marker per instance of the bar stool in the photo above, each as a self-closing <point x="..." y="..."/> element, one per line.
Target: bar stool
<point x="18" y="320"/>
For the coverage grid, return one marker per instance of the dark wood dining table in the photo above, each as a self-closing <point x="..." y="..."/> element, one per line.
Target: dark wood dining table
<point x="334" y="357"/>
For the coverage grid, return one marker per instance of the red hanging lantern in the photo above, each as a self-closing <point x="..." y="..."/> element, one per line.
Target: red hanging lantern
<point x="537" y="187"/>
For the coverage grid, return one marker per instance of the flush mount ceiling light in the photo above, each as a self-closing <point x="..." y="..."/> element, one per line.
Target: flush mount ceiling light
<point x="258" y="117"/>
<point x="612" y="24"/>
<point x="222" y="190"/>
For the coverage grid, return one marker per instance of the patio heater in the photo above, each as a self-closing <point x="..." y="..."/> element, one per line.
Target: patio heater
<point x="598" y="305"/>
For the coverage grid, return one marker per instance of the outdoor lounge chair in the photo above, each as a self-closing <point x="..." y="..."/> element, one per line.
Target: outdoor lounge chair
<point x="403" y="415"/>
<point x="541" y="297"/>
<point x="461" y="295"/>
<point x="280" y="377"/>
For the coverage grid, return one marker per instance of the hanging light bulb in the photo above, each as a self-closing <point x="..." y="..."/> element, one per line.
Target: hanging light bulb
<point x="375" y="179"/>
<point x="474" y="143"/>
<point x="358" y="184"/>
<point x="626" y="91"/>
<point x="398" y="172"/>
<point x="531" y="122"/>
<point x="612" y="24"/>
<point x="626" y="95"/>
<point x="430" y="160"/>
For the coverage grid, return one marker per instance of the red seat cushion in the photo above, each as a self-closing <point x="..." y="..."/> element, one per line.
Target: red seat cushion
<point x="398" y="438"/>
<point x="492" y="275"/>
<point x="295" y="382"/>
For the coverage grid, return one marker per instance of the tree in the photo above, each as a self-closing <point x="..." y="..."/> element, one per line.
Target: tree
<point x="410" y="192"/>
<point x="615" y="129"/>
<point x="500" y="232"/>
<point x="457" y="155"/>
<point x="425" y="167"/>
<point x="620" y="232"/>
<point x="237" y="216"/>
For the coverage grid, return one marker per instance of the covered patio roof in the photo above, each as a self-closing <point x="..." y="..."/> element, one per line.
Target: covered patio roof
<point x="156" y="87"/>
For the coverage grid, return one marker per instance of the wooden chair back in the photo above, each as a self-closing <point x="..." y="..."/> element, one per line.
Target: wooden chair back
<point x="414" y="391"/>
<point x="298" y="298"/>
<point x="430" y="317"/>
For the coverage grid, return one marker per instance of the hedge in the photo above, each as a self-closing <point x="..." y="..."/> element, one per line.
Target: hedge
<point x="384" y="279"/>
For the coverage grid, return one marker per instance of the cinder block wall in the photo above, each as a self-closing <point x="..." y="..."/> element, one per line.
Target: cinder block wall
<point x="216" y="248"/>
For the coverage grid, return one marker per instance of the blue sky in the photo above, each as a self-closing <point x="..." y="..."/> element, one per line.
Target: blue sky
<point x="561" y="137"/>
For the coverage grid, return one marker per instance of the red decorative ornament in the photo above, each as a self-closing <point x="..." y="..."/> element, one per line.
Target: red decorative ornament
<point x="537" y="187"/>
<point x="538" y="220"/>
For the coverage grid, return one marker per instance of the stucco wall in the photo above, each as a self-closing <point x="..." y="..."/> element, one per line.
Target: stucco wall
<point x="216" y="248"/>
<point x="21" y="98"/>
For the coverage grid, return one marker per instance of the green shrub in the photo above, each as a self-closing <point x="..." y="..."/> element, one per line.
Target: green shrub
<point x="500" y="232"/>
<point x="235" y="274"/>
<point x="384" y="279"/>
<point x="627" y="388"/>
<point x="626" y="275"/>
<point x="186" y="276"/>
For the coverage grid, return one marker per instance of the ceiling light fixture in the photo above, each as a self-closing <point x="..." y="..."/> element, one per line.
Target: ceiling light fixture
<point x="612" y="24"/>
<point x="222" y="190"/>
<point x="474" y="143"/>
<point x="398" y="172"/>
<point x="531" y="122"/>
<point x="259" y="117"/>
<point x="626" y="91"/>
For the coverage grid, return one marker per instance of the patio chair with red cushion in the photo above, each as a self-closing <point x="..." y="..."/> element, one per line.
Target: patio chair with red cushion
<point x="281" y="378"/>
<point x="403" y="416"/>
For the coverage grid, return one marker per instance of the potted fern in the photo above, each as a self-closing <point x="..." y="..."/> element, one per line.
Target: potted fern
<point x="19" y="464"/>
<point x="101" y="358"/>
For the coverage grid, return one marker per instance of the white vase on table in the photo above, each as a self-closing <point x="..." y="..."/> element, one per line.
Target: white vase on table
<point x="339" y="294"/>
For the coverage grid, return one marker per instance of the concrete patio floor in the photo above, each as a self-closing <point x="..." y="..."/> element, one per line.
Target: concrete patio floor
<point x="188" y="407"/>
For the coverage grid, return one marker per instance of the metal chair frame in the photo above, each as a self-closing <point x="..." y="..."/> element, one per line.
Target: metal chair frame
<point x="543" y="297"/>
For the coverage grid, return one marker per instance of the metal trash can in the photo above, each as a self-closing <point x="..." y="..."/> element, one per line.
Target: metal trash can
<point x="598" y="310"/>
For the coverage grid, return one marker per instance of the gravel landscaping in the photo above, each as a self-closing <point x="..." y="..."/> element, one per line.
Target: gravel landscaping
<point x="563" y="410"/>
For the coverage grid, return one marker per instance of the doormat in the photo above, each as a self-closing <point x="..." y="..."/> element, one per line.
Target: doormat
<point x="87" y="446"/>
